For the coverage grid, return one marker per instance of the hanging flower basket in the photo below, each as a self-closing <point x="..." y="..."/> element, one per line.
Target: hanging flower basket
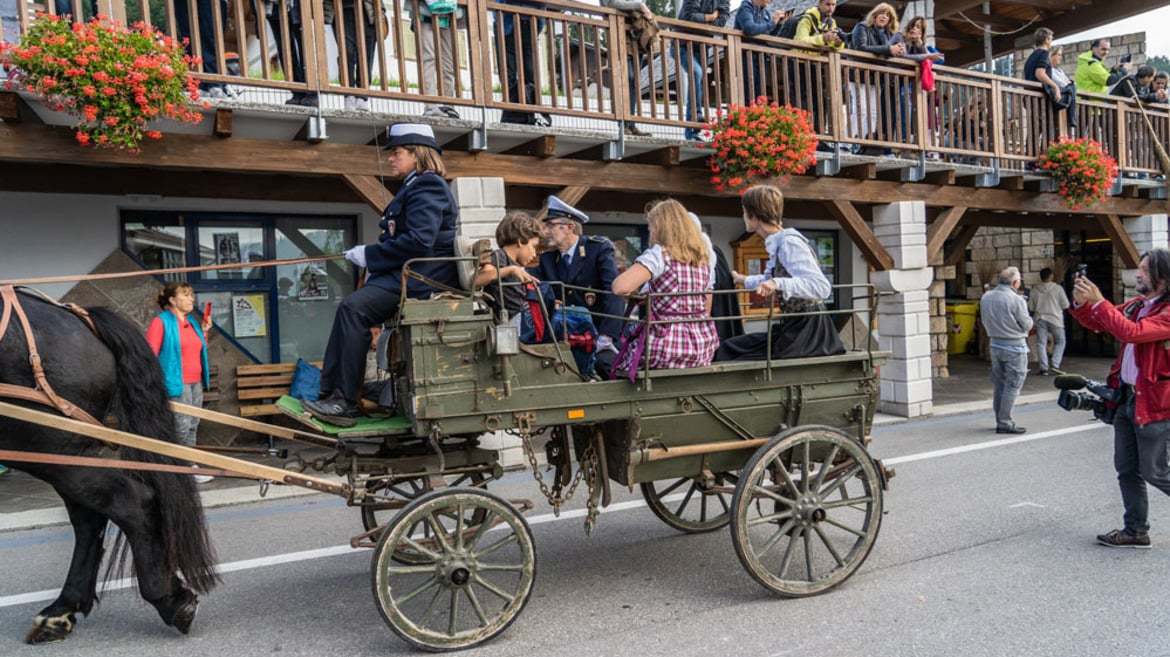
<point x="1083" y="171"/>
<point x="115" y="79"/>
<point x="759" y="141"/>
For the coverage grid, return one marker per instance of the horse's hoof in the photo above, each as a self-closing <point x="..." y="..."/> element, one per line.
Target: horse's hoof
<point x="185" y="615"/>
<point x="48" y="630"/>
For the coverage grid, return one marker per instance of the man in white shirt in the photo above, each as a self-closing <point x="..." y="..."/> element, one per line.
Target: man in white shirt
<point x="1047" y="303"/>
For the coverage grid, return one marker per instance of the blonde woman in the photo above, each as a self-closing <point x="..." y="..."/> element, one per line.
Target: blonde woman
<point x="876" y="35"/>
<point x="677" y="263"/>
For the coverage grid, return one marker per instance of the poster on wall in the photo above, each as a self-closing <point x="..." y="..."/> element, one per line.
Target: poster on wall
<point x="227" y="248"/>
<point x="311" y="285"/>
<point x="249" y="315"/>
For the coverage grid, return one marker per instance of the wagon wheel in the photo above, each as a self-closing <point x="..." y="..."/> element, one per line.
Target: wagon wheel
<point x="806" y="511"/>
<point x="470" y="586"/>
<point x="698" y="510"/>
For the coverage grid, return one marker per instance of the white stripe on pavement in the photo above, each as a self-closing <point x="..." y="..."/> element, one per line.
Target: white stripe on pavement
<point x="321" y="553"/>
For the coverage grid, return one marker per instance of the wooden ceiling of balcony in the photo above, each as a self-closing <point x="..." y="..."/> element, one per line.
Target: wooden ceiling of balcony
<point x="1012" y="20"/>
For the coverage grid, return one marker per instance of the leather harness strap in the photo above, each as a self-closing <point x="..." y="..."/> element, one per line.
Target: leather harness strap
<point x="115" y="464"/>
<point x="43" y="393"/>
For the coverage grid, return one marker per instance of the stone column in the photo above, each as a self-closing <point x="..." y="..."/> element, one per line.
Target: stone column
<point x="1147" y="232"/>
<point x="481" y="206"/>
<point x="903" y="310"/>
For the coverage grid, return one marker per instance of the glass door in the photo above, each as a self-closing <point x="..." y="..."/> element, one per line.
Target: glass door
<point x="241" y="299"/>
<point x="307" y="295"/>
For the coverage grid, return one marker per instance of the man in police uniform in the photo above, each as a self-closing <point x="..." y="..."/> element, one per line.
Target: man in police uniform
<point x="584" y="261"/>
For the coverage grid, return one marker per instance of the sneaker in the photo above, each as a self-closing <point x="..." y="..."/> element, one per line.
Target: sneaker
<point x="202" y="479"/>
<point x="216" y="92"/>
<point x="632" y="129"/>
<point x="1041" y="372"/>
<point x="3" y="469"/>
<point x="335" y="410"/>
<point x="543" y="120"/>
<point x="434" y="112"/>
<point x="449" y="112"/>
<point x="303" y="99"/>
<point x="1012" y="429"/>
<point x="355" y="104"/>
<point x="1120" y="538"/>
<point x="693" y="134"/>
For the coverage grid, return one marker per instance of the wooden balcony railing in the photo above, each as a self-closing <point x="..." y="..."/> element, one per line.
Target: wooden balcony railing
<point x="561" y="57"/>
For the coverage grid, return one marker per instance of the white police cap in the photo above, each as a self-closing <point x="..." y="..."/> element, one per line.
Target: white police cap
<point x="411" y="134"/>
<point x="558" y="209"/>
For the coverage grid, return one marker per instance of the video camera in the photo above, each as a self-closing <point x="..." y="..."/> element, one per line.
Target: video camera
<point x="1096" y="396"/>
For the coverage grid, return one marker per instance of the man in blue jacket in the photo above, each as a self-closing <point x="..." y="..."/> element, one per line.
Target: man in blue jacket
<point x="754" y="19"/>
<point x="419" y="223"/>
<point x="583" y="261"/>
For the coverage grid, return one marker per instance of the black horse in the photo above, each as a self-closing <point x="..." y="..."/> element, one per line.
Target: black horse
<point x="160" y="518"/>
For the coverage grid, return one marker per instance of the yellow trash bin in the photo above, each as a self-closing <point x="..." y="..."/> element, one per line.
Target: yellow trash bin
<point x="961" y="325"/>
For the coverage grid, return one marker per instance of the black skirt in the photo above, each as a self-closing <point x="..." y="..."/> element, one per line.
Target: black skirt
<point x="792" y="337"/>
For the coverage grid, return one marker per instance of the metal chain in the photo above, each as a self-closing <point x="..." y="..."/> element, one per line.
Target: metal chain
<point x="556" y="496"/>
<point x="590" y="460"/>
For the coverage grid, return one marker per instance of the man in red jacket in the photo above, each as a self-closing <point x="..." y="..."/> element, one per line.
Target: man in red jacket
<point x="1141" y="374"/>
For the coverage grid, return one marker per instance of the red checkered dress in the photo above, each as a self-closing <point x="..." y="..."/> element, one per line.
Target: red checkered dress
<point x="679" y="344"/>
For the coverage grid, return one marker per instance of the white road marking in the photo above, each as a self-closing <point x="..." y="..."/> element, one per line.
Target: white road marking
<point x="1027" y="504"/>
<point x="321" y="553"/>
<point x="922" y="456"/>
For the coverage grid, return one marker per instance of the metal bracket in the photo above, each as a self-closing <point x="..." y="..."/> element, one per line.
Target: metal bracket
<point x="315" y="130"/>
<point x="915" y="173"/>
<point x="1117" y="187"/>
<point x="479" y="135"/>
<point x="831" y="165"/>
<point x="723" y="418"/>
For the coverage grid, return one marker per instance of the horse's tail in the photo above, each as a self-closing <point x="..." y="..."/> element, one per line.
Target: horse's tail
<point x="140" y="406"/>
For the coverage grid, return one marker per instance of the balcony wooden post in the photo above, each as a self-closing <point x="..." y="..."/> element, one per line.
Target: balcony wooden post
<point x="619" y="77"/>
<point x="477" y="64"/>
<point x="835" y="100"/>
<point x="734" y="66"/>
<point x="997" y="124"/>
<point x="1122" y="153"/>
<point x="313" y="37"/>
<point x="922" y="107"/>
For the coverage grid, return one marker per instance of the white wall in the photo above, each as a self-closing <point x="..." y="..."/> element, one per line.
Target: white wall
<point x="59" y="234"/>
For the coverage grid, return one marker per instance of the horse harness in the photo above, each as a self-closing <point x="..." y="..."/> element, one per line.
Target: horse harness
<point x="43" y="393"/>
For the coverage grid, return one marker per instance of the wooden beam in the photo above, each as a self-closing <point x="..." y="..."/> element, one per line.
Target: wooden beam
<point x="1122" y="244"/>
<point x="542" y="147"/>
<point x="940" y="230"/>
<point x="1012" y="183"/>
<point x="1030" y="220"/>
<point x="852" y="223"/>
<point x="13" y="109"/>
<point x="959" y="244"/>
<point x="223" y="123"/>
<point x="39" y="144"/>
<point x="864" y="171"/>
<point x="571" y="195"/>
<point x="594" y="153"/>
<point x="370" y="189"/>
<point x="940" y="177"/>
<point x="944" y="8"/>
<point x="663" y="157"/>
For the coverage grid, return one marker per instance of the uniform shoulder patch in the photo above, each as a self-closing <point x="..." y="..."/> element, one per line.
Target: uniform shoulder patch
<point x="599" y="239"/>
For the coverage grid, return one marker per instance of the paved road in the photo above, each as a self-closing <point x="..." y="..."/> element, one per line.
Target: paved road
<point x="982" y="552"/>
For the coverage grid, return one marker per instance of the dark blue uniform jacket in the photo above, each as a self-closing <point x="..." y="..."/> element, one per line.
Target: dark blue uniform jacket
<point x="419" y="223"/>
<point x="595" y="269"/>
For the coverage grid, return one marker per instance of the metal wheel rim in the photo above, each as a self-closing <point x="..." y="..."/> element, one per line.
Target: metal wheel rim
<point x="465" y="561"/>
<point x="713" y="509"/>
<point x="810" y="542"/>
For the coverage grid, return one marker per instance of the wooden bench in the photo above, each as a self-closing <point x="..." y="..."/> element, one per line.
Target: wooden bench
<point x="259" y="386"/>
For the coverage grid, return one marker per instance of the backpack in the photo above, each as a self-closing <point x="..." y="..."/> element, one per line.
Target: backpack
<point x="787" y="29"/>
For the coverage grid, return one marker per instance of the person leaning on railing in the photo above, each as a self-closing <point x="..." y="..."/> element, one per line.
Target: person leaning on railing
<point x="1139" y="85"/>
<point x="1161" y="81"/>
<point x="818" y="28"/>
<point x="1091" y="74"/>
<point x="706" y="12"/>
<point x="914" y="37"/>
<point x="876" y="35"/>
<point x="373" y="19"/>
<point x="444" y="17"/>
<point x="638" y="21"/>
<point x="753" y="19"/>
<point x="207" y="40"/>
<point x="294" y="46"/>
<point x="1039" y="68"/>
<point x="794" y="275"/>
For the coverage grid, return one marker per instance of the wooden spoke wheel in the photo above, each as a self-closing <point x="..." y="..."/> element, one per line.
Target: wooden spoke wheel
<point x="806" y="511"/>
<point x="377" y="514"/>
<point x="688" y="505"/>
<point x="469" y="585"/>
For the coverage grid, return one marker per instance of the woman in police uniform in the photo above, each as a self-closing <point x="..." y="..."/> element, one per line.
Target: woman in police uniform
<point x="420" y="222"/>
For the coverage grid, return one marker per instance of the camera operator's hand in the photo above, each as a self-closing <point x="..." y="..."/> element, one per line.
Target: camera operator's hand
<point x="1086" y="291"/>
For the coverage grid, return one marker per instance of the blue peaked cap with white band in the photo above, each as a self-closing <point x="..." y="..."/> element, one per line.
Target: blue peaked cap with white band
<point x="411" y="134"/>
<point x="558" y="209"/>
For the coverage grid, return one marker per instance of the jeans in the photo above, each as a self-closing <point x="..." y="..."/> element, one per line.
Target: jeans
<point x="526" y="58"/>
<point x="693" y="96"/>
<point x="186" y="426"/>
<point x="1045" y="328"/>
<point x="1008" y="371"/>
<point x="349" y="341"/>
<point x="1139" y="456"/>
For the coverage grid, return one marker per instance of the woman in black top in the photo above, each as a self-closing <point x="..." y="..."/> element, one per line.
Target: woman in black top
<point x="1038" y="68"/>
<point x="877" y="35"/>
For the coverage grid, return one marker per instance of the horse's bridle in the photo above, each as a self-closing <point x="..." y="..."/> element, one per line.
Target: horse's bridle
<point x="43" y="393"/>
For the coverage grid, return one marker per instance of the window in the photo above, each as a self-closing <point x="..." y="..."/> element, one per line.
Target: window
<point x="273" y="314"/>
<point x="751" y="259"/>
<point x="629" y="240"/>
